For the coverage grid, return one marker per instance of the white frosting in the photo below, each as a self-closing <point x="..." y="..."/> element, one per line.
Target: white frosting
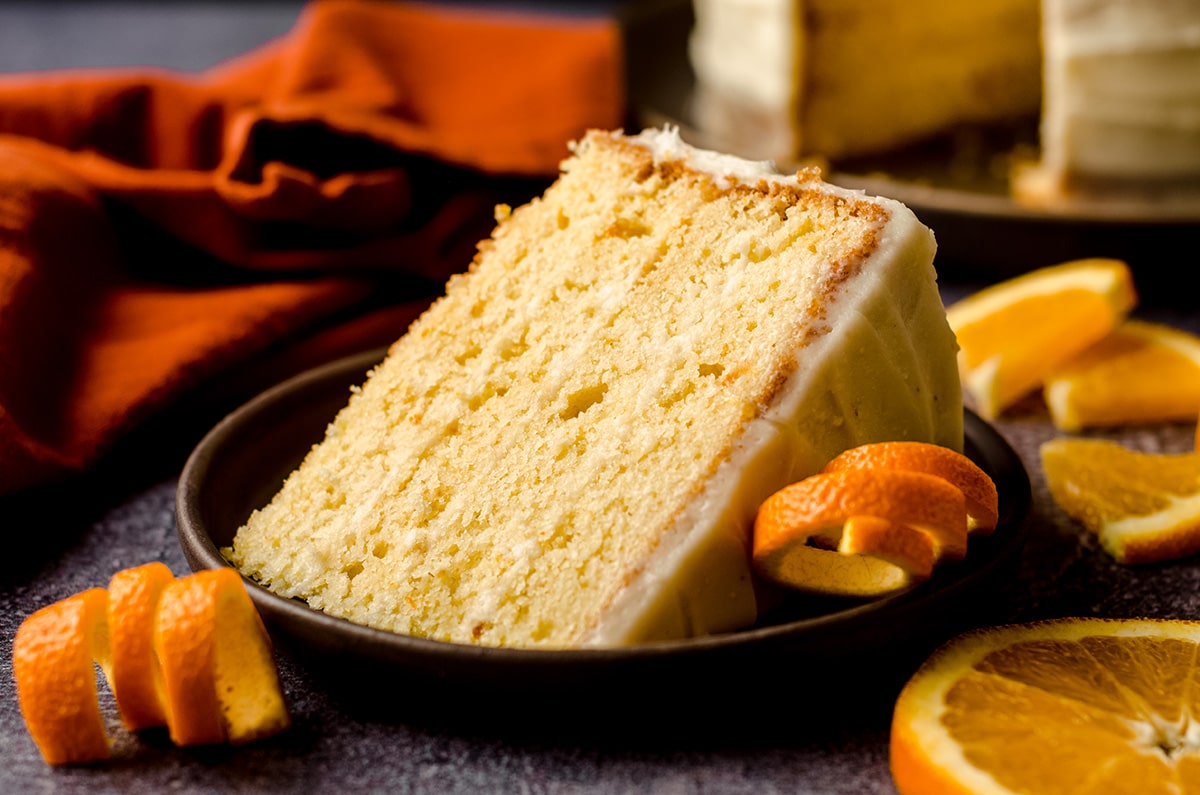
<point x="667" y="146"/>
<point x="747" y="48"/>
<point x="1122" y="88"/>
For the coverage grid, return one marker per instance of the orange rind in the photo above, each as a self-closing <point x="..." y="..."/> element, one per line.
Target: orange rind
<point x="982" y="499"/>
<point x="54" y="655"/>
<point x="189" y="653"/>
<point x="904" y="547"/>
<point x="798" y="530"/>
<point x="133" y="596"/>
<point x="218" y="686"/>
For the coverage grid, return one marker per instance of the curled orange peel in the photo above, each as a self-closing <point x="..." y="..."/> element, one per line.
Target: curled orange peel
<point x="983" y="502"/>
<point x="877" y="518"/>
<point x="189" y="653"/>
<point x="902" y="546"/>
<point x="817" y="507"/>
<point x="133" y="596"/>
<point x="53" y="655"/>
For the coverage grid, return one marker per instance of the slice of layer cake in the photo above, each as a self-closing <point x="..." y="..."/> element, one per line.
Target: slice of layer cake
<point x="568" y="448"/>
<point x="788" y="79"/>
<point x="1121" y="114"/>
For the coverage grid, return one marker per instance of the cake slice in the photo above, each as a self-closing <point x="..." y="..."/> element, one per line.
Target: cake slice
<point x="568" y="448"/>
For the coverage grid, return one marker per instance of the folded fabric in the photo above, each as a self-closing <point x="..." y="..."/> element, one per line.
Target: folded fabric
<point x="158" y="227"/>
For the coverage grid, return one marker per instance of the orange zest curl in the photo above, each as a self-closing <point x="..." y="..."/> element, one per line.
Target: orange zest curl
<point x="877" y="518"/>
<point x="190" y="654"/>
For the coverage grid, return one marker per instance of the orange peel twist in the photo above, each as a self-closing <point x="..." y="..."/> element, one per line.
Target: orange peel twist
<point x="190" y="654"/>
<point x="877" y="518"/>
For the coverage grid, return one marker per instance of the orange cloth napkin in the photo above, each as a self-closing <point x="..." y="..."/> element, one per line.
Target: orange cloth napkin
<point x="157" y="228"/>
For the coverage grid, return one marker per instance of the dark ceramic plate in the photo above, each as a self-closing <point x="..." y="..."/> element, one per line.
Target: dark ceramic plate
<point x="240" y="464"/>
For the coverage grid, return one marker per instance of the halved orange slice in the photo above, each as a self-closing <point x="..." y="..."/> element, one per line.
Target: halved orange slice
<point x="1140" y="373"/>
<point x="1013" y="334"/>
<point x="1144" y="507"/>
<point x="1057" y="707"/>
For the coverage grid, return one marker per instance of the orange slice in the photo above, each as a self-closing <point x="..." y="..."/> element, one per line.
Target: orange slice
<point x="1013" y="334"/>
<point x="219" y="678"/>
<point x="983" y="509"/>
<point x="53" y="654"/>
<point x="798" y="529"/>
<point x="1144" y="507"/>
<point x="136" y="676"/>
<point x="1140" y="373"/>
<point x="1057" y="707"/>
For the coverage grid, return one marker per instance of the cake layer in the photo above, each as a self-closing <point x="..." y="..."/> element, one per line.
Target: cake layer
<point x="567" y="449"/>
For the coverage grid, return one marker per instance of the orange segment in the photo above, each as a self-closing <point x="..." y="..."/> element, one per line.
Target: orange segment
<point x="983" y="509"/>
<point x="136" y="677"/>
<point x="1142" y="372"/>
<point x="53" y="654"/>
<point x="1073" y="705"/>
<point x="218" y="674"/>
<point x="798" y="529"/>
<point x="1012" y="334"/>
<point x="1144" y="507"/>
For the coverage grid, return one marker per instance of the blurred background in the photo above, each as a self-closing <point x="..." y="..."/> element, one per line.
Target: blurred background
<point x="177" y="35"/>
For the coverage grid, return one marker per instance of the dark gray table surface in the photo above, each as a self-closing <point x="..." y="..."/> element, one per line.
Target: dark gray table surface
<point x="69" y="537"/>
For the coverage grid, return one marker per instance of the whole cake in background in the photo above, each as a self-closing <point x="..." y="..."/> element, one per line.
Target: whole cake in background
<point x="791" y="79"/>
<point x="568" y="448"/>
<point x="1121" y="115"/>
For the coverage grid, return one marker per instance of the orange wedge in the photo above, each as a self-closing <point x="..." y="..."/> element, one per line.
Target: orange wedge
<point x="1013" y="334"/>
<point x="1057" y="707"/>
<point x="53" y="654"/>
<point x="1144" y="507"/>
<point x="1140" y="373"/>
<point x="797" y="530"/>
<point x="136" y="676"/>
<point x="978" y="488"/>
